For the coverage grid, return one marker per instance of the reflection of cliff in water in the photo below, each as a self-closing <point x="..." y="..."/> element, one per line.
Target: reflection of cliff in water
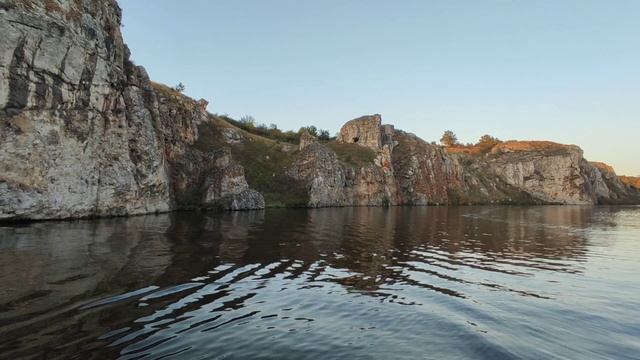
<point x="66" y="259"/>
<point x="69" y="274"/>
<point x="51" y="268"/>
<point x="370" y="242"/>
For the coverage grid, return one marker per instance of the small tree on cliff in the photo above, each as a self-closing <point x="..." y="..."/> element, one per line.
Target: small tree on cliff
<point x="248" y="121"/>
<point x="449" y="138"/>
<point x="323" y="135"/>
<point x="179" y="88"/>
<point x="487" y="142"/>
<point x="311" y="129"/>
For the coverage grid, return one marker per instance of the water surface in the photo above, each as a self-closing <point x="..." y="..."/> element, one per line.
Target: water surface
<point x="357" y="283"/>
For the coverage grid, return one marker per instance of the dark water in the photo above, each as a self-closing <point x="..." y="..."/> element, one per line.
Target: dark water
<point x="433" y="283"/>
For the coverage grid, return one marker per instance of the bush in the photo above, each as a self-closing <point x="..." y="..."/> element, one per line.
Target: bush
<point x="179" y="88"/>
<point x="324" y="135"/>
<point x="449" y="139"/>
<point x="249" y="124"/>
<point x="487" y="142"/>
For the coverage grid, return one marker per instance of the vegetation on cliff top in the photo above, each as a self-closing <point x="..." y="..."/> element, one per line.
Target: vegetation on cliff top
<point x="265" y="163"/>
<point x="484" y="145"/>
<point x="249" y="124"/>
<point x="631" y="180"/>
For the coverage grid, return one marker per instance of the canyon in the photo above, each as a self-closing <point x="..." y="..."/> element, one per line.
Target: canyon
<point x="84" y="132"/>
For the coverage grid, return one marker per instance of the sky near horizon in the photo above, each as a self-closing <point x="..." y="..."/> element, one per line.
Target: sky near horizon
<point x="560" y="70"/>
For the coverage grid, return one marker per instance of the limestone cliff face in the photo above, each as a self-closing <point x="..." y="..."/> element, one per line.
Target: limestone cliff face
<point x="364" y="131"/>
<point x="609" y="187"/>
<point x="556" y="173"/>
<point x="81" y="130"/>
<point x="332" y="182"/>
<point x="76" y="137"/>
<point x="550" y="172"/>
<point x="199" y="179"/>
<point x="424" y="173"/>
<point x="408" y="170"/>
<point x="326" y="179"/>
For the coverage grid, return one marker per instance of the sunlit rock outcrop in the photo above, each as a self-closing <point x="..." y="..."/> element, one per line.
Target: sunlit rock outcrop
<point x="363" y="131"/>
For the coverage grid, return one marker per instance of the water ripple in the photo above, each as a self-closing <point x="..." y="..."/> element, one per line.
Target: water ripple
<point x="470" y="282"/>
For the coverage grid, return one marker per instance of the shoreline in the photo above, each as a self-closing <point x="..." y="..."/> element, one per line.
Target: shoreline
<point x="25" y="221"/>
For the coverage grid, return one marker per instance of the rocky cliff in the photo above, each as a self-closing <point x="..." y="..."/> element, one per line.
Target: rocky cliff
<point x="406" y="170"/>
<point x="84" y="132"/>
<point x="633" y="181"/>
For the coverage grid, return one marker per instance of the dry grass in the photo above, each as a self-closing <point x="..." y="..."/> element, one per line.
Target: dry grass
<point x="468" y="150"/>
<point x="631" y="180"/>
<point x="603" y="167"/>
<point x="166" y="90"/>
<point x="175" y="96"/>
<point x="516" y="146"/>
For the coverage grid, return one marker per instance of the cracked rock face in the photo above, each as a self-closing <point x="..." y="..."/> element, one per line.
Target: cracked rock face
<point x="76" y="138"/>
<point x="425" y="173"/>
<point x="333" y="183"/>
<point x="554" y="175"/>
<point x="80" y="126"/>
<point x="408" y="170"/>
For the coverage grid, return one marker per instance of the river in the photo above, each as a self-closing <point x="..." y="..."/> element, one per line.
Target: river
<point x="486" y="282"/>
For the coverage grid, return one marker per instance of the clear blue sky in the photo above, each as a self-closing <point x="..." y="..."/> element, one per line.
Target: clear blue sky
<point x="566" y="71"/>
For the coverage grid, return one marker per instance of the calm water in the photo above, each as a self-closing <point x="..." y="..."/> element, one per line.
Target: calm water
<point x="434" y="283"/>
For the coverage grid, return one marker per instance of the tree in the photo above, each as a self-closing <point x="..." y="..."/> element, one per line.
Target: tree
<point x="449" y="138"/>
<point x="248" y="121"/>
<point x="311" y="129"/>
<point x="487" y="142"/>
<point x="324" y="135"/>
<point x="179" y="88"/>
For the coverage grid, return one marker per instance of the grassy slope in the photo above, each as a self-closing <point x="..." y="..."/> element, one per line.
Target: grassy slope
<point x="265" y="162"/>
<point x="352" y="154"/>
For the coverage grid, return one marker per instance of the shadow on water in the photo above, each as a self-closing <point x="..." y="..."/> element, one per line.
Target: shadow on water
<point x="474" y="282"/>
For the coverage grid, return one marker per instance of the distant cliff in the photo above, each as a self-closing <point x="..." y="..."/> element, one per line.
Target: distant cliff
<point x="408" y="170"/>
<point x="84" y="132"/>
